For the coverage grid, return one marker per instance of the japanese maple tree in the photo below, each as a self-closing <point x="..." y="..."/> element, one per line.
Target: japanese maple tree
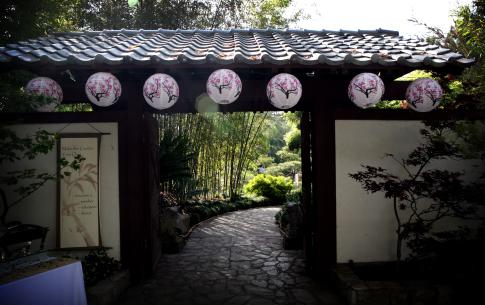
<point x="426" y="194"/>
<point x="26" y="181"/>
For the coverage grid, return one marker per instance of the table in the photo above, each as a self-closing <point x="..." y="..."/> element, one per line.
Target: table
<point x="63" y="285"/>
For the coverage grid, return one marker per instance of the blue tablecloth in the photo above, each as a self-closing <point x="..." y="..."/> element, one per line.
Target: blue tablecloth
<point x="59" y="286"/>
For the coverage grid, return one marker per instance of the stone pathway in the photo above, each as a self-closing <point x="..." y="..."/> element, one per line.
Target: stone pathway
<point x="234" y="259"/>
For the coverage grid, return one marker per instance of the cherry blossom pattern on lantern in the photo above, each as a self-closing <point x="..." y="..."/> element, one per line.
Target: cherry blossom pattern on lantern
<point x="224" y="86"/>
<point x="103" y="89"/>
<point x="46" y="87"/>
<point x="284" y="91"/>
<point x="424" y="94"/>
<point x="366" y="89"/>
<point x="161" y="91"/>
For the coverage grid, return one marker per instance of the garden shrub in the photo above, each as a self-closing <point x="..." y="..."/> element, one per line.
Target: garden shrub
<point x="97" y="266"/>
<point x="294" y="196"/>
<point x="274" y="188"/>
<point x="200" y="210"/>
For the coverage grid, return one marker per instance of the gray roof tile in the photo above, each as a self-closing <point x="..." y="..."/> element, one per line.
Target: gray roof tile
<point x="250" y="46"/>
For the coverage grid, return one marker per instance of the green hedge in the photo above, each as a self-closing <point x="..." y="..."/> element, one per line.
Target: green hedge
<point x="203" y="209"/>
<point x="274" y="188"/>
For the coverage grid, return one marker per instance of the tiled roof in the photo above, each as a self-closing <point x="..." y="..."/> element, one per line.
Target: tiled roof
<point x="278" y="47"/>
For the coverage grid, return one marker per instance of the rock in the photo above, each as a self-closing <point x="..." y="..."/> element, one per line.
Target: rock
<point x="171" y="219"/>
<point x="173" y="226"/>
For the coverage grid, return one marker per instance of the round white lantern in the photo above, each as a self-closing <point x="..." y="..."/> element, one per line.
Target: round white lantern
<point x="224" y="86"/>
<point x="161" y="91"/>
<point x="424" y="94"/>
<point x="366" y="89"/>
<point x="47" y="87"/>
<point x="103" y="89"/>
<point x="284" y="91"/>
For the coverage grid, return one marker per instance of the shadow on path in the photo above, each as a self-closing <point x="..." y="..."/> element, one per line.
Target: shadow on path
<point x="234" y="259"/>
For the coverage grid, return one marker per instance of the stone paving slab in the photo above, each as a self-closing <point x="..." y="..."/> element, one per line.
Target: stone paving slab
<point x="233" y="259"/>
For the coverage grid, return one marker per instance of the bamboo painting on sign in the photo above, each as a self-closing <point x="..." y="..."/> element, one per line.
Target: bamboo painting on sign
<point x="78" y="214"/>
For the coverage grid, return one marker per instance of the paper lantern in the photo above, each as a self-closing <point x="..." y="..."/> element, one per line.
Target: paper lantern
<point x="103" y="89"/>
<point x="224" y="86"/>
<point x="47" y="87"/>
<point x="424" y="94"/>
<point x="366" y="89"/>
<point x="284" y="91"/>
<point x="161" y="91"/>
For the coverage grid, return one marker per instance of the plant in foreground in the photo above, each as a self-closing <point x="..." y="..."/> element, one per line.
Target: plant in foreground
<point x="97" y="265"/>
<point x="426" y="195"/>
<point x="25" y="182"/>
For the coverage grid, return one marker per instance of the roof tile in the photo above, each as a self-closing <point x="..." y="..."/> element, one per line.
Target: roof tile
<point x="247" y="46"/>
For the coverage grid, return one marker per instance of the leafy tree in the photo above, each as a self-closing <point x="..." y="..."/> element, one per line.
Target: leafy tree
<point x="287" y="161"/>
<point x="466" y="36"/>
<point x="467" y="91"/>
<point x="13" y="98"/>
<point x="25" y="182"/>
<point x="104" y="14"/>
<point x="287" y="169"/>
<point x="78" y="107"/>
<point x="20" y="20"/>
<point x="293" y="139"/>
<point x="184" y="14"/>
<point x="154" y="14"/>
<point x="425" y="195"/>
<point x="275" y="132"/>
<point x="271" y="14"/>
<point x="469" y="35"/>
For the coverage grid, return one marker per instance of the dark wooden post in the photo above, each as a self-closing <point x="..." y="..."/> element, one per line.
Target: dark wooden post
<point x="324" y="198"/>
<point x="151" y="179"/>
<point x="306" y="190"/>
<point x="134" y="202"/>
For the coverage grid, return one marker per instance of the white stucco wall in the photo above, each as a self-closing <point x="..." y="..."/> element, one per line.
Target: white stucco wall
<point x="365" y="222"/>
<point x="41" y="207"/>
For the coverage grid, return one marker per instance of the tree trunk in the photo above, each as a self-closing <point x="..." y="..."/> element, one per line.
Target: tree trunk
<point x="399" y="237"/>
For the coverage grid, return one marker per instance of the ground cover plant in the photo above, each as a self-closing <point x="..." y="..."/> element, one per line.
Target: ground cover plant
<point x="202" y="209"/>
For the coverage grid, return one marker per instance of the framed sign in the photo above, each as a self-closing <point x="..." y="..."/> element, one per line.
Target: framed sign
<point x="78" y="192"/>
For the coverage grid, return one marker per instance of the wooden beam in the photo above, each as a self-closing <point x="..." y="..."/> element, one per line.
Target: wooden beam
<point x="59" y="117"/>
<point x="406" y="114"/>
<point x="332" y="84"/>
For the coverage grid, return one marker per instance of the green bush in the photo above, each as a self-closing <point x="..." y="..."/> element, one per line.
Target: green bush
<point x="293" y="139"/>
<point x="200" y="210"/>
<point x="97" y="266"/>
<point x="274" y="188"/>
<point x="294" y="196"/>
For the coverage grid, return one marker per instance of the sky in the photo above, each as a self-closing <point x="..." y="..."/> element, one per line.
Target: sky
<point x="374" y="14"/>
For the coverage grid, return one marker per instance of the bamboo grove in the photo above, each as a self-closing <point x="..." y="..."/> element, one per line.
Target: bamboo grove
<point x="211" y="153"/>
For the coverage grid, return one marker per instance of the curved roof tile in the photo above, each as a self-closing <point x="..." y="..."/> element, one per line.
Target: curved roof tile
<point x="248" y="46"/>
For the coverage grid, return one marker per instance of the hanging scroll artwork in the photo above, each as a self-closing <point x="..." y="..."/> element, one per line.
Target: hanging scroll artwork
<point x="78" y="204"/>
